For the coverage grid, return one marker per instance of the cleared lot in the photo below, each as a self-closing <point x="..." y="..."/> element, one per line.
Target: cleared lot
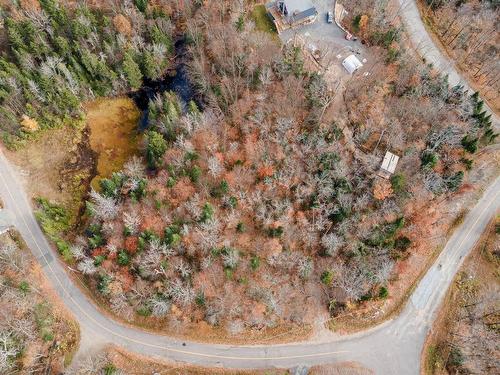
<point x="329" y="41"/>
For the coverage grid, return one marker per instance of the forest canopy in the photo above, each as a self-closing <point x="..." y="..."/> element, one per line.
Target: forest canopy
<point x="56" y="57"/>
<point x="245" y="211"/>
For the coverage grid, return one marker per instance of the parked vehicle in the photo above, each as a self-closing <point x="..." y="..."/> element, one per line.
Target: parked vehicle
<point x="329" y="17"/>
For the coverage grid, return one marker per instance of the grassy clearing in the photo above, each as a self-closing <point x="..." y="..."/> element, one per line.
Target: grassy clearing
<point x="262" y="20"/>
<point x="55" y="166"/>
<point x="113" y="134"/>
<point x="434" y="361"/>
<point x="61" y="163"/>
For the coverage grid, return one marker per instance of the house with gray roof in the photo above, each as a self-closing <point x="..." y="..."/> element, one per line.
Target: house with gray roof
<point x="290" y="13"/>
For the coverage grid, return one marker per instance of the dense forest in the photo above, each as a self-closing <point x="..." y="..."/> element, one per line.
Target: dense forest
<point x="246" y="211"/>
<point x="55" y="57"/>
<point x="264" y="207"/>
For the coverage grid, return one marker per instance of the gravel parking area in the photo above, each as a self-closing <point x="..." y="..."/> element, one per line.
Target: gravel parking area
<point x="329" y="39"/>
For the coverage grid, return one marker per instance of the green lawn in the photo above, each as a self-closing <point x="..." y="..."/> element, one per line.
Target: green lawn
<point x="262" y="21"/>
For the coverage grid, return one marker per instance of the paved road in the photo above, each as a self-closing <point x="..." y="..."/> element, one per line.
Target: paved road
<point x="5" y="220"/>
<point x="424" y="45"/>
<point x="393" y="347"/>
<point x="390" y="348"/>
<point x="329" y="39"/>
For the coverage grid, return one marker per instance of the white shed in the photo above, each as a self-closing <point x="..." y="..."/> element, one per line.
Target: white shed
<point x="389" y="163"/>
<point x="351" y="64"/>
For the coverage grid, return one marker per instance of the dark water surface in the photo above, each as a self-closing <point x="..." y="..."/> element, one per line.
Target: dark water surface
<point x="178" y="83"/>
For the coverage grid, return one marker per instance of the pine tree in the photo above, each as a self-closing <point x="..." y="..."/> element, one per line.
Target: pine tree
<point x="240" y="23"/>
<point x="132" y="72"/>
<point x="142" y="5"/>
<point x="469" y="144"/>
<point x="454" y="181"/>
<point x="475" y="97"/>
<point x="149" y="67"/>
<point x="155" y="149"/>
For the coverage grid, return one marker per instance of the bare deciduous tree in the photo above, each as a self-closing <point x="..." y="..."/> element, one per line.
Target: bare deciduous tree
<point x="332" y="243"/>
<point x="103" y="208"/>
<point x="87" y="266"/>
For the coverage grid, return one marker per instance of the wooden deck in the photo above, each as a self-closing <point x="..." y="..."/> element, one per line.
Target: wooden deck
<point x="278" y="20"/>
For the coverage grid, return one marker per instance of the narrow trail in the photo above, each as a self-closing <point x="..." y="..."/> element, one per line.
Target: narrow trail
<point x="393" y="347"/>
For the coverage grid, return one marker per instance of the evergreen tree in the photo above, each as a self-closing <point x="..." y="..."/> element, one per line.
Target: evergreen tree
<point x="142" y="5"/>
<point x="454" y="181"/>
<point x="156" y="147"/>
<point x="240" y="23"/>
<point x="428" y="159"/>
<point x="158" y="36"/>
<point x="149" y="67"/>
<point x="469" y="144"/>
<point x="132" y="71"/>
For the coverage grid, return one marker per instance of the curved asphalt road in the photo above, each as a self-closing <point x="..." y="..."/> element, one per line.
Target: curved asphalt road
<point x="393" y="347"/>
<point x="425" y="47"/>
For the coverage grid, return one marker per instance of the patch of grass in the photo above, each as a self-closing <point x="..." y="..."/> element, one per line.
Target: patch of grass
<point x="110" y="369"/>
<point x="458" y="220"/>
<point x="44" y="321"/>
<point x="327" y="277"/>
<point x="54" y="218"/>
<point x="262" y="21"/>
<point x="255" y="262"/>
<point x="383" y="292"/>
<point x="24" y="287"/>
<point x="488" y="248"/>
<point x="398" y="183"/>
<point x="144" y="311"/>
<point x="434" y="359"/>
<point x="58" y="159"/>
<point x="240" y="228"/>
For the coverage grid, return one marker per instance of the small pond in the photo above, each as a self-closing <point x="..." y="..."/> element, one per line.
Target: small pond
<point x="178" y="83"/>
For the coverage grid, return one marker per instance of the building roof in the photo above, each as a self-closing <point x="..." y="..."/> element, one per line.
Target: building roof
<point x="298" y="6"/>
<point x="351" y="64"/>
<point x="390" y="162"/>
<point x="305" y="14"/>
